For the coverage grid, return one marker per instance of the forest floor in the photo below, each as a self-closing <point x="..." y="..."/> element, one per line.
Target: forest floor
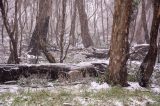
<point x="81" y="93"/>
<point x="84" y="92"/>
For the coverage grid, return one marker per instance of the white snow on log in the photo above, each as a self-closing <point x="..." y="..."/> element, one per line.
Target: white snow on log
<point x="84" y="64"/>
<point x="81" y="64"/>
<point x="101" y="61"/>
<point x="140" y="45"/>
<point x="91" y="62"/>
<point x="47" y="64"/>
<point x="88" y="64"/>
<point x="135" y="62"/>
<point x="100" y="50"/>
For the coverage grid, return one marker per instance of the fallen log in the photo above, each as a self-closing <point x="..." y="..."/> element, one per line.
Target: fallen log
<point x="98" y="53"/>
<point x="9" y="72"/>
<point x="13" y="72"/>
<point x="138" y="52"/>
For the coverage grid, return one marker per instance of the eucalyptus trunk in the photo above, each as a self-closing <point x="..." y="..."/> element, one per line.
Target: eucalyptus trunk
<point x="117" y="73"/>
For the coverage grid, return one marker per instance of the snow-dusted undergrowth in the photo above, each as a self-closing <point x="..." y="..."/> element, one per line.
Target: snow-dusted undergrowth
<point x="89" y="94"/>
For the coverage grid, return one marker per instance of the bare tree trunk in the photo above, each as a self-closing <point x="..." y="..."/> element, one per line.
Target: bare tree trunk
<point x="133" y="22"/>
<point x="107" y="30"/>
<point x="159" y="49"/>
<point x="63" y="24"/>
<point x="39" y="37"/>
<point x="144" y="22"/>
<point x="103" y="31"/>
<point x="140" y="35"/>
<point x="22" y="26"/>
<point x="57" y="15"/>
<point x="147" y="66"/>
<point x="73" y="23"/>
<point x="117" y="73"/>
<point x="11" y="32"/>
<point x="2" y="33"/>
<point x="86" y="38"/>
<point x="14" y="46"/>
<point x="40" y="22"/>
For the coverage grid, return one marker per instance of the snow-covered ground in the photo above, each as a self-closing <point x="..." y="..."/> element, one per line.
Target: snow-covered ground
<point x="93" y="92"/>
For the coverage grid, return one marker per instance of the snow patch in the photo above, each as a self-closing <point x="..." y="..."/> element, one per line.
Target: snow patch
<point x="155" y="89"/>
<point x="140" y="102"/>
<point x="82" y="101"/>
<point x="9" y="88"/>
<point x="134" y="86"/>
<point x="97" y="86"/>
<point x="118" y="103"/>
<point x="30" y="56"/>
